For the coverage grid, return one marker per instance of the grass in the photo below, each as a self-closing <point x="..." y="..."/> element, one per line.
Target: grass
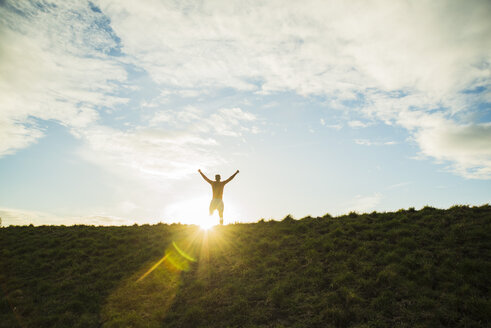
<point x="427" y="268"/>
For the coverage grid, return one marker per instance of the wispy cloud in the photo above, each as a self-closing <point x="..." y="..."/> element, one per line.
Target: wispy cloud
<point x="72" y="76"/>
<point x="399" y="185"/>
<point x="363" y="203"/>
<point x="230" y="122"/>
<point x="11" y="216"/>
<point x="148" y="153"/>
<point x="358" y="124"/>
<point x="51" y="72"/>
<point x="153" y="151"/>
<point x="16" y="135"/>
<point x="366" y="142"/>
<point x="363" y="142"/>
<point x="331" y="126"/>
<point x="315" y="47"/>
<point x="377" y="51"/>
<point x="391" y="61"/>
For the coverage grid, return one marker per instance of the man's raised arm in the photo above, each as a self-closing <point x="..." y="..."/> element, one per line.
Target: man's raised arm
<point x="204" y="176"/>
<point x="231" y="177"/>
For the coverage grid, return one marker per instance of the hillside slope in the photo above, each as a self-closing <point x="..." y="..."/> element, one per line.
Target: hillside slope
<point x="427" y="268"/>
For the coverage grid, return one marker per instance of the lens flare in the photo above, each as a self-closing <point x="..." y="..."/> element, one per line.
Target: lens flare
<point x="145" y="298"/>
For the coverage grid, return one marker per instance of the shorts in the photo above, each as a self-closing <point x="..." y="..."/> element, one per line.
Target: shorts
<point x="216" y="204"/>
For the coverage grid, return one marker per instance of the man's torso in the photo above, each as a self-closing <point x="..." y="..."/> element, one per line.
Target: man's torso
<point x="217" y="187"/>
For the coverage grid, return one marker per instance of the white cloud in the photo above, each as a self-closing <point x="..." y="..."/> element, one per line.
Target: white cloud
<point x="313" y="47"/>
<point x="466" y="147"/>
<point x="228" y="121"/>
<point x="51" y="72"/>
<point x="463" y="145"/>
<point x="15" y="135"/>
<point x="429" y="52"/>
<point x="331" y="126"/>
<point x="357" y="124"/>
<point x="53" y="66"/>
<point x="177" y="118"/>
<point x="399" y="185"/>
<point x="366" y="142"/>
<point x="148" y="153"/>
<point x="12" y="216"/>
<point x="334" y="126"/>
<point x="232" y="122"/>
<point x="363" y="204"/>
<point x="390" y="57"/>
<point x="155" y="154"/>
<point x="363" y="142"/>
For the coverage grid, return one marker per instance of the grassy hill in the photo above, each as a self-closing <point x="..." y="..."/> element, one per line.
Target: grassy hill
<point x="427" y="268"/>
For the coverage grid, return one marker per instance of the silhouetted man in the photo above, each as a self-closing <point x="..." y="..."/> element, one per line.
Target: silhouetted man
<point x="217" y="186"/>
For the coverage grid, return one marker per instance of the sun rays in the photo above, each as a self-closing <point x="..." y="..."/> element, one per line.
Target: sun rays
<point x="195" y="211"/>
<point x="144" y="298"/>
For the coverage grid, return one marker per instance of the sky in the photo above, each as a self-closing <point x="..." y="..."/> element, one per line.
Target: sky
<point x="108" y="108"/>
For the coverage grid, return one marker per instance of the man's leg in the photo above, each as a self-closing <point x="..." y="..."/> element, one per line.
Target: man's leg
<point x="220" y="213"/>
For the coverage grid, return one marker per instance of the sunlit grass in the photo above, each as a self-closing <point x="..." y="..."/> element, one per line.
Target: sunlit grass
<point x="143" y="299"/>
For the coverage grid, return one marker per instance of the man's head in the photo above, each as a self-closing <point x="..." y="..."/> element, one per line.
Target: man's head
<point x="217" y="177"/>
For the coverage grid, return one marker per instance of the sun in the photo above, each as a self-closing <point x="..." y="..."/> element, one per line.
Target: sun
<point x="193" y="211"/>
<point x="207" y="223"/>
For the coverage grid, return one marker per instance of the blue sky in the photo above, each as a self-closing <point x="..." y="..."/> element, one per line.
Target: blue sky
<point x="109" y="108"/>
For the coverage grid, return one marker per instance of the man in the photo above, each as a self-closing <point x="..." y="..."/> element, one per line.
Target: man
<point x="217" y="186"/>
